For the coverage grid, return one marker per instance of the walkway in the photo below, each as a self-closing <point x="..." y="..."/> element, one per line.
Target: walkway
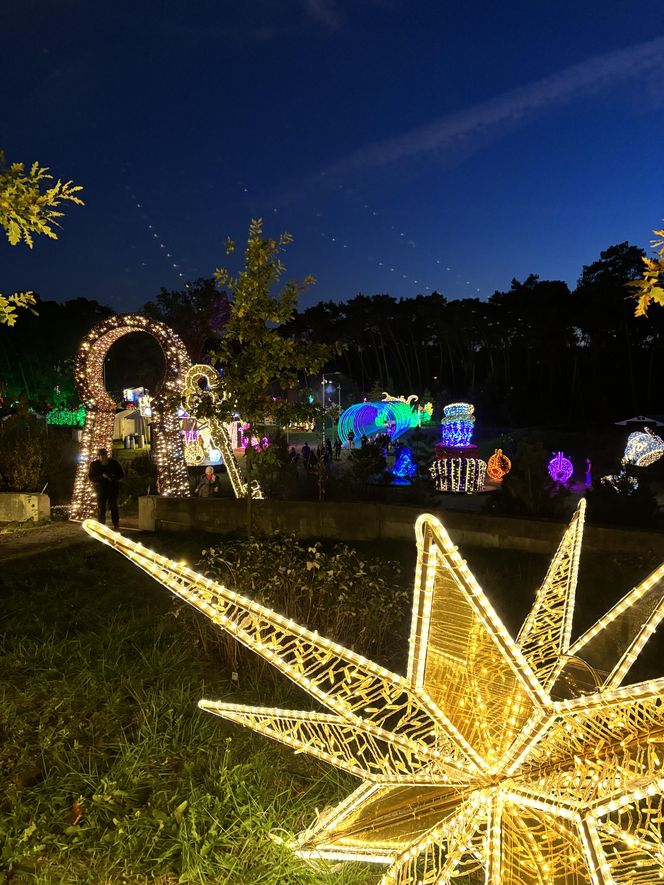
<point x="34" y="539"/>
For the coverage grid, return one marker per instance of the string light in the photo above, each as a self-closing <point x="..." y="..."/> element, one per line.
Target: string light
<point x="59" y="415"/>
<point x="423" y="281"/>
<point x="167" y="441"/>
<point x="458" y="474"/>
<point x="489" y="754"/>
<point x="204" y="380"/>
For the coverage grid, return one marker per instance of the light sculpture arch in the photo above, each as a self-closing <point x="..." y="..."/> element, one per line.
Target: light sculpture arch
<point x="167" y="441"/>
<point x="368" y="419"/>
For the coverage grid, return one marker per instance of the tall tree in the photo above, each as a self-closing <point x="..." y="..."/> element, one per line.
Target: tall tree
<point x="259" y="362"/>
<point x="606" y="319"/>
<point x="197" y="313"/>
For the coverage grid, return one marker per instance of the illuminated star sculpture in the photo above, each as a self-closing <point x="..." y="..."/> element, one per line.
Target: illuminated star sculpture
<point x="526" y="761"/>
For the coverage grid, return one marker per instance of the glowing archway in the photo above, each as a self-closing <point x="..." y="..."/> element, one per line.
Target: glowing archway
<point x="167" y="441"/>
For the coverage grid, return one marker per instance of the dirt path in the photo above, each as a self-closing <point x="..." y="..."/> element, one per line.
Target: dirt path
<point x="35" y="539"/>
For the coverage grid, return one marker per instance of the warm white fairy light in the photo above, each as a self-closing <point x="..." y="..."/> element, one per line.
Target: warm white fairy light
<point x="167" y="443"/>
<point x="486" y="755"/>
<point x="192" y="391"/>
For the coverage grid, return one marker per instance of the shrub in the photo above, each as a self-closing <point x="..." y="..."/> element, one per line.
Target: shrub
<point x="365" y="462"/>
<point x="621" y="504"/>
<point x="528" y="490"/>
<point x="22" y="450"/>
<point x="358" y="602"/>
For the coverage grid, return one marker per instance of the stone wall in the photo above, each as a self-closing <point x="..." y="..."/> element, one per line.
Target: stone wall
<point x="365" y="521"/>
<point x="24" y="506"/>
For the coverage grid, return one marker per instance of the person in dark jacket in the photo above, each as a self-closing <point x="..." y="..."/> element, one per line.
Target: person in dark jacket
<point x="105" y="474"/>
<point x="209" y="484"/>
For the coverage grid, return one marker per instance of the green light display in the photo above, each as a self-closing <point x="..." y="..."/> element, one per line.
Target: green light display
<point x="67" y="417"/>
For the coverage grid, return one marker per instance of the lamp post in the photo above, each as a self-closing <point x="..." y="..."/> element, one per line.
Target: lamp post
<point x="323" y="382"/>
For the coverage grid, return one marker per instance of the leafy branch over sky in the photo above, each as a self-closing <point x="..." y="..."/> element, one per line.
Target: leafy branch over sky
<point x="29" y="207"/>
<point x="651" y="286"/>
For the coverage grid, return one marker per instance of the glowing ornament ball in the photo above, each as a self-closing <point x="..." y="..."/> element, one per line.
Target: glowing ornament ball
<point x="498" y="466"/>
<point x="560" y="468"/>
<point x="528" y="760"/>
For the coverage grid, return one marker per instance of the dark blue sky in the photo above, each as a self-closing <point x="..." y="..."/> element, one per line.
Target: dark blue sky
<point x="408" y="146"/>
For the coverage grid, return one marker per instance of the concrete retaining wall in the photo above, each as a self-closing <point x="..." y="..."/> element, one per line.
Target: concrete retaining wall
<point x="365" y="521"/>
<point x="24" y="506"/>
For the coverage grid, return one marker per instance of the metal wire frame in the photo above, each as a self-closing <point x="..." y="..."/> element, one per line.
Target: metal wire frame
<point x="472" y="761"/>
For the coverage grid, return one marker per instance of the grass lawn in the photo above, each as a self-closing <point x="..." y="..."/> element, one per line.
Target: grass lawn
<point x="108" y="771"/>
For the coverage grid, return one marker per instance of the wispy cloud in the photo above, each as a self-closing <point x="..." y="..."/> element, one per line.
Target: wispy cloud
<point x="596" y="74"/>
<point x="324" y="11"/>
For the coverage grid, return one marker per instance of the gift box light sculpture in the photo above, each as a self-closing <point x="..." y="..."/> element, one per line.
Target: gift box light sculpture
<point x="529" y="760"/>
<point x="560" y="468"/>
<point x="498" y="466"/>
<point x="167" y="442"/>
<point x="643" y="448"/>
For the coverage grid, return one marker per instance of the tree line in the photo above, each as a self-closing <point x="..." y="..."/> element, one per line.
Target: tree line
<point x="538" y="353"/>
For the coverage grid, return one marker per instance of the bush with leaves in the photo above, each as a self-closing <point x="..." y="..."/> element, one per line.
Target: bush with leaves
<point x="365" y="462"/>
<point x="528" y="490"/>
<point x="273" y="468"/>
<point x="23" y="447"/>
<point x="621" y="503"/>
<point x="357" y="601"/>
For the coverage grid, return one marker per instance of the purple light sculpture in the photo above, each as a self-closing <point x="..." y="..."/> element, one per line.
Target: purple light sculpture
<point x="560" y="468"/>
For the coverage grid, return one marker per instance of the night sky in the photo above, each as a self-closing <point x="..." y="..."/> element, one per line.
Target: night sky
<point x="407" y="146"/>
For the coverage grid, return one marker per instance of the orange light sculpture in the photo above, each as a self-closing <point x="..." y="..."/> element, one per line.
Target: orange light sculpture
<point x="498" y="466"/>
<point x="167" y="441"/>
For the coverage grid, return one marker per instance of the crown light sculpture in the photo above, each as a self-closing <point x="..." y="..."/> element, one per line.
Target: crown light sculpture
<point x="529" y="760"/>
<point x="97" y="433"/>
